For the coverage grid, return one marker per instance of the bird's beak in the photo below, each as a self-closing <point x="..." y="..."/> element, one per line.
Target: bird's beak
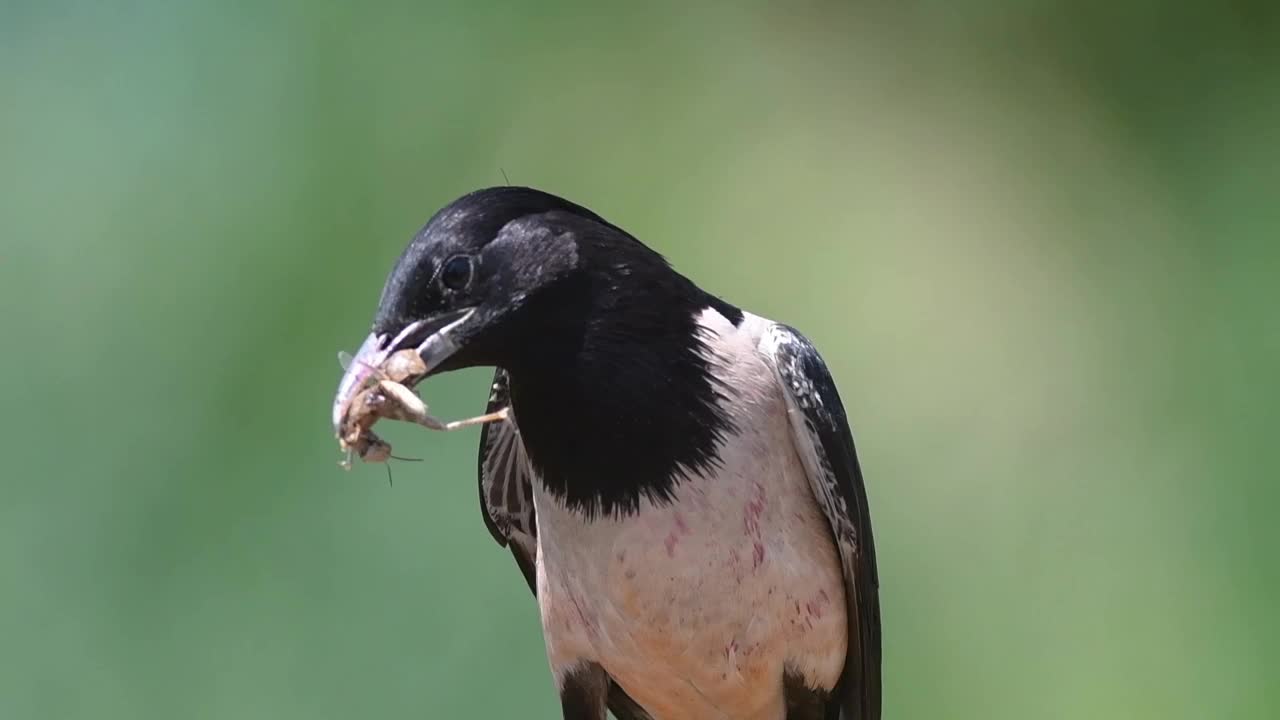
<point x="436" y="339"/>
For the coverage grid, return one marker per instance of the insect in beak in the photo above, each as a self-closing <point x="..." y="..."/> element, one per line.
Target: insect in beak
<point x="376" y="384"/>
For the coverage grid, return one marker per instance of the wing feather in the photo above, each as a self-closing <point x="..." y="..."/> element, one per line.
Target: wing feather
<point x="506" y="484"/>
<point x="825" y="443"/>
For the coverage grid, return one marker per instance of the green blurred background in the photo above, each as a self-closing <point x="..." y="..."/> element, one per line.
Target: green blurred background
<point x="1037" y="242"/>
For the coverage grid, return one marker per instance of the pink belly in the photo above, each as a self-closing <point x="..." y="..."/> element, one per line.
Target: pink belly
<point x="697" y="612"/>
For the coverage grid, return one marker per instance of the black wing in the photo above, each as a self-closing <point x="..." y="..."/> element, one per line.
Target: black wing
<point x="506" y="484"/>
<point x="506" y="497"/>
<point x="825" y="443"/>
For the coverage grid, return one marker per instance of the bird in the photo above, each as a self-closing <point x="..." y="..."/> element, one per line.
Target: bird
<point x="675" y="477"/>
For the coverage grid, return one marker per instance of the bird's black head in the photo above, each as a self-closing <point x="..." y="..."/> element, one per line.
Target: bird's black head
<point x="476" y="266"/>
<point x="493" y="278"/>
<point x="594" y="328"/>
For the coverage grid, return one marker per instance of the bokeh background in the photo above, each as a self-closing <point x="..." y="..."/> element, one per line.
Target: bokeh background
<point x="1037" y="242"/>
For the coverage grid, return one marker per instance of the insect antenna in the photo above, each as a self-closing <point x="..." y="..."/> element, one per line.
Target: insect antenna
<point x="402" y="459"/>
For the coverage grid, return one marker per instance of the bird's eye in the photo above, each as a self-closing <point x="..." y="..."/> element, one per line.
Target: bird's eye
<point x="456" y="273"/>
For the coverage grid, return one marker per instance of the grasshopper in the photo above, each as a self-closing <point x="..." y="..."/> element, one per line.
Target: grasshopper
<point x="385" y="394"/>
